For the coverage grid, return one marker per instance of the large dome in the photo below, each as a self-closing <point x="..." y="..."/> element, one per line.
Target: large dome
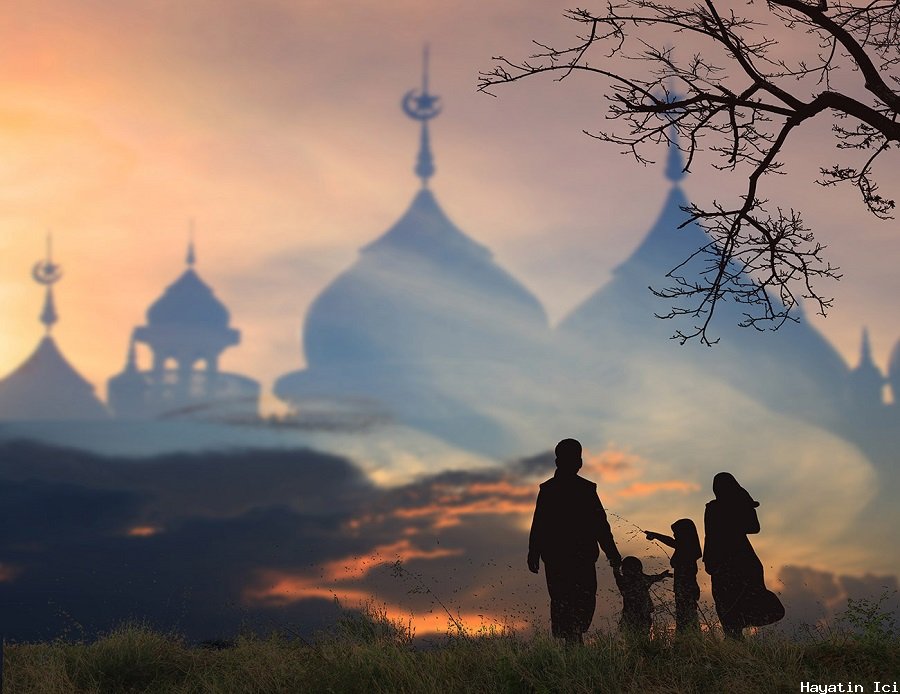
<point x="188" y="301"/>
<point x="422" y="291"/>
<point x="793" y="368"/>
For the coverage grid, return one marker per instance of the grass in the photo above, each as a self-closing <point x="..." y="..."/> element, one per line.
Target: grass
<point x="366" y="652"/>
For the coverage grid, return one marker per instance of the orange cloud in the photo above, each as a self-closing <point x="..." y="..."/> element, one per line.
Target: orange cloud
<point x="8" y="573"/>
<point x="143" y="531"/>
<point x="350" y="568"/>
<point x="648" y="488"/>
<point x="503" y="488"/>
<point x="336" y="580"/>
<point x="282" y="588"/>
<point x="448" y="515"/>
<point x="611" y="465"/>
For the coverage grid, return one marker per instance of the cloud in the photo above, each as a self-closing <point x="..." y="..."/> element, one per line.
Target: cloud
<point x="210" y="543"/>
<point x="816" y="597"/>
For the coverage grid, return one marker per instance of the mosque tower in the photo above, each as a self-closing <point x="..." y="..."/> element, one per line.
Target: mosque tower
<point x="45" y="386"/>
<point x="793" y="369"/>
<point x="186" y="327"/>
<point x="417" y="324"/>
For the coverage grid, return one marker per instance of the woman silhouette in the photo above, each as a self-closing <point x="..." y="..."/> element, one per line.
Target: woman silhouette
<point x="738" y="585"/>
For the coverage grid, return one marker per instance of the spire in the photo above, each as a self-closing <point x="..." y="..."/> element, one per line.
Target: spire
<point x="131" y="364"/>
<point x="191" y="255"/>
<point x="422" y="107"/>
<point x="865" y="351"/>
<point x="674" y="161"/>
<point x="47" y="273"/>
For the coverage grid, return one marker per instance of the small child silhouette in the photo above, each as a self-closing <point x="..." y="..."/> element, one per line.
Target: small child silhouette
<point x="686" y="544"/>
<point x="634" y="585"/>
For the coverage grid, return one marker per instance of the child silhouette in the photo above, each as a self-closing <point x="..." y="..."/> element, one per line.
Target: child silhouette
<point x="686" y="544"/>
<point x="634" y="585"/>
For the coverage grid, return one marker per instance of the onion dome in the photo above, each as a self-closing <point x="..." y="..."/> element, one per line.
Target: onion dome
<point x="187" y="322"/>
<point x="423" y="290"/>
<point x="791" y="369"/>
<point x="188" y="301"/>
<point x="424" y="318"/>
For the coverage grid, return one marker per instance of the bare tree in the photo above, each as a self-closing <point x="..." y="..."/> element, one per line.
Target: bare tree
<point x="738" y="98"/>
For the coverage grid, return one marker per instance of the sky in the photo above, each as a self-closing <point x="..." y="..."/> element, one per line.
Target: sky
<point x="276" y="126"/>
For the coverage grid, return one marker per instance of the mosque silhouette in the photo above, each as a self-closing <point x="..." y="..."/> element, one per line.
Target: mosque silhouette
<point x="427" y="328"/>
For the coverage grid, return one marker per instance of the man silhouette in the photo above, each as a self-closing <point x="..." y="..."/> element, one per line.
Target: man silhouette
<point x="569" y="524"/>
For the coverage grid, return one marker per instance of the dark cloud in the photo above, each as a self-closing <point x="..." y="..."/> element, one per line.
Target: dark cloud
<point x="815" y="597"/>
<point x="209" y="544"/>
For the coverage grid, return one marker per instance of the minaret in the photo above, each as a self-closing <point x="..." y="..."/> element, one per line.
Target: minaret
<point x="187" y="330"/>
<point x="126" y="392"/>
<point x="188" y="324"/>
<point x="866" y="381"/>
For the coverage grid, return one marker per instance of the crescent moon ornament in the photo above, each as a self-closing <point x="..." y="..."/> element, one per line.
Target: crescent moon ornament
<point x="421" y="106"/>
<point x="46" y="272"/>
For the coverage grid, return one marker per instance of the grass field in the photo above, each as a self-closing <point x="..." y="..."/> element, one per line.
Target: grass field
<point x="366" y="653"/>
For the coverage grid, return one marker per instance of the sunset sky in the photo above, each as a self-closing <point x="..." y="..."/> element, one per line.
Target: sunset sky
<point x="276" y="126"/>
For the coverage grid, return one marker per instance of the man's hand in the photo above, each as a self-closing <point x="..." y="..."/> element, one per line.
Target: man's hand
<point x="534" y="564"/>
<point x="615" y="562"/>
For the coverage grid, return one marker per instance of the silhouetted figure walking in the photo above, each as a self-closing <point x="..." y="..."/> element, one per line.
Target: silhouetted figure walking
<point x="686" y="544"/>
<point x="569" y="524"/>
<point x="738" y="585"/>
<point x="634" y="585"/>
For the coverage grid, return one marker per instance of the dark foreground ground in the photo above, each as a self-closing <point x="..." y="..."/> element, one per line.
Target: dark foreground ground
<point x="367" y="654"/>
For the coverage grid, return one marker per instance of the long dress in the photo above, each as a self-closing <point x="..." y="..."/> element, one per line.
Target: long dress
<point x="687" y="593"/>
<point x="738" y="583"/>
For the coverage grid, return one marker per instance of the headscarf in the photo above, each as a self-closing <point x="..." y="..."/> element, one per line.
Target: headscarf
<point x="687" y="542"/>
<point x="727" y="490"/>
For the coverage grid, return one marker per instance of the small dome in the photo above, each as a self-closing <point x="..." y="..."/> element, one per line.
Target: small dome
<point x="46" y="387"/>
<point x="188" y="301"/>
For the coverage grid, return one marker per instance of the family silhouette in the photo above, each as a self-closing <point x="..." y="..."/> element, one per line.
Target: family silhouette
<point x="570" y="528"/>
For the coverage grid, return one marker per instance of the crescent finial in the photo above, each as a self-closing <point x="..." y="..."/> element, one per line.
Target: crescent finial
<point x="45" y="271"/>
<point x="422" y="106"/>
